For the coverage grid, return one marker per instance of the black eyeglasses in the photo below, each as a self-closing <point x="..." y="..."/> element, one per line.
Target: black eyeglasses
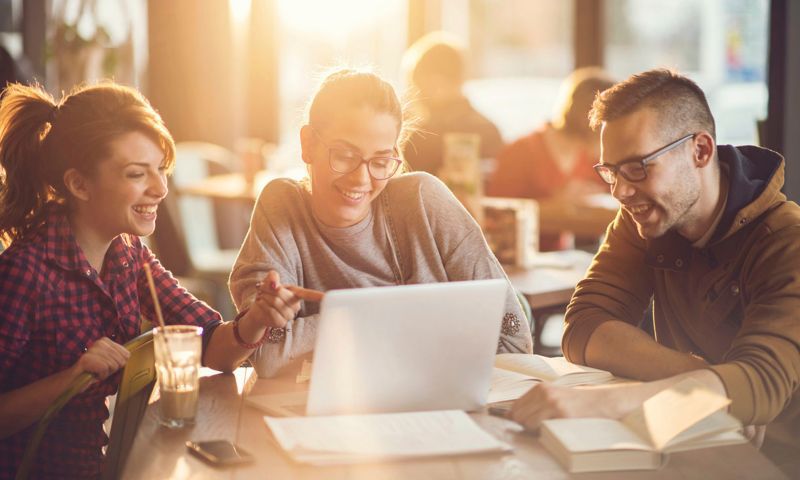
<point x="343" y="160"/>
<point x="635" y="170"/>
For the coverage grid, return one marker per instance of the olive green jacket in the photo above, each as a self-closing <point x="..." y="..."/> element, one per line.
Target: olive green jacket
<point x="735" y="302"/>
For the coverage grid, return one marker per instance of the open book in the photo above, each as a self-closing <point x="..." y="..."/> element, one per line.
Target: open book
<point x="515" y="373"/>
<point x="381" y="437"/>
<point x="685" y="416"/>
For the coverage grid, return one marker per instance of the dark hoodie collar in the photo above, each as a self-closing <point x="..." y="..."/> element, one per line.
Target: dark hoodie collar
<point x="750" y="171"/>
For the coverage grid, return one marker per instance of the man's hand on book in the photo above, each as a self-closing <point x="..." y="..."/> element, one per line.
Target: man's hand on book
<point x="546" y="401"/>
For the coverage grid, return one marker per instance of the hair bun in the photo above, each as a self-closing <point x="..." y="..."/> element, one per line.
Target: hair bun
<point x="53" y="113"/>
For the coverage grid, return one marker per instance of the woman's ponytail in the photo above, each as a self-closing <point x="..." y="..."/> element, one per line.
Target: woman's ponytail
<point x="26" y="116"/>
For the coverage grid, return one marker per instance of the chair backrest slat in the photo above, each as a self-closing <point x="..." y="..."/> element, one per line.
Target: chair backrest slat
<point x="137" y="382"/>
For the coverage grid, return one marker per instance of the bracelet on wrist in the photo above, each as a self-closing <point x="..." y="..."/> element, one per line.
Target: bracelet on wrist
<point x="240" y="341"/>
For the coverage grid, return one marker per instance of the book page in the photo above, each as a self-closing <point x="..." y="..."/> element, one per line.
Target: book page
<point x="666" y="414"/>
<point x="580" y="435"/>
<point x="719" y="428"/>
<point x="554" y="369"/>
<point x="731" y="437"/>
<point x="390" y="435"/>
<point x="507" y="385"/>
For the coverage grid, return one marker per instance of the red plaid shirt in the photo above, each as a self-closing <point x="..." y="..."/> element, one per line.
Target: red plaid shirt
<point x="53" y="305"/>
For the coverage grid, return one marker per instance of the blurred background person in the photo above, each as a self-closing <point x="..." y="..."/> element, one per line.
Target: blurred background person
<point x="8" y="69"/>
<point x="11" y="70"/>
<point x="435" y="65"/>
<point x="555" y="160"/>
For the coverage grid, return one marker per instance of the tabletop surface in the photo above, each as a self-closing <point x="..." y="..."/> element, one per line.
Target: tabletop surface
<point x="551" y="280"/>
<point x="234" y="186"/>
<point x="158" y="452"/>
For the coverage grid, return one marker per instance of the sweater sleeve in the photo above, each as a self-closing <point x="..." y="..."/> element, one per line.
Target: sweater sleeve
<point x="617" y="286"/>
<point x="263" y="248"/>
<point x="761" y="371"/>
<point x="473" y="260"/>
<point x="269" y="245"/>
<point x="466" y="256"/>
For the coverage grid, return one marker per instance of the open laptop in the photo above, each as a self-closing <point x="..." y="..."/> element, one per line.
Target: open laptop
<point x="404" y="348"/>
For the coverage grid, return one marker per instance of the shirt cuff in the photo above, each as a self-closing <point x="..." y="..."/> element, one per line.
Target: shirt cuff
<point x="208" y="331"/>
<point x="737" y="386"/>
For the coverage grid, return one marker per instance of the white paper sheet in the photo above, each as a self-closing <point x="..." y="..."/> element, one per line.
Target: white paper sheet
<point x="349" y="438"/>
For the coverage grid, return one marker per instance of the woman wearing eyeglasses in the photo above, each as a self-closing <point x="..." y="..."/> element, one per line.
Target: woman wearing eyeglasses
<point x="356" y="222"/>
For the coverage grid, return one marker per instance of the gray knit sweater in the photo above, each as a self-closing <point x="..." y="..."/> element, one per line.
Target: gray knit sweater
<point x="416" y="232"/>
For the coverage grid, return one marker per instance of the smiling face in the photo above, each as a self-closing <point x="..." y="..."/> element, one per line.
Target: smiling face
<point x="123" y="193"/>
<point x="667" y="198"/>
<point x="341" y="200"/>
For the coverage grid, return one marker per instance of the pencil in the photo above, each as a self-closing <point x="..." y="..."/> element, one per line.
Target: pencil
<point x="306" y="293"/>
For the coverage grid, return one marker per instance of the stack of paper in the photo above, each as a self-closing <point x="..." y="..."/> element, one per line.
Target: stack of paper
<point x="381" y="437"/>
<point x="514" y="374"/>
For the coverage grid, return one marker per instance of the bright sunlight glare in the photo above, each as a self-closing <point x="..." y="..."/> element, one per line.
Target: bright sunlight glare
<point x="330" y="19"/>
<point x="240" y="10"/>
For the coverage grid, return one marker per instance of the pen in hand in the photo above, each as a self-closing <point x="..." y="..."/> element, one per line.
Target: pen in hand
<point x="302" y="293"/>
<point x="306" y="294"/>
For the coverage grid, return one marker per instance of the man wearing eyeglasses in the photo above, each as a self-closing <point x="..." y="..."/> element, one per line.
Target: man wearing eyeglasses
<point x="705" y="232"/>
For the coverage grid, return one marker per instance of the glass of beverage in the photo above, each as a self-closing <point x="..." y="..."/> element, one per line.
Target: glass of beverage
<point x="177" y="350"/>
<point x="461" y="170"/>
<point x="251" y="153"/>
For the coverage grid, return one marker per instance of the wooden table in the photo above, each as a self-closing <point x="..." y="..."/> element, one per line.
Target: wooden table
<point x="548" y="286"/>
<point x="160" y="453"/>
<point x="228" y="186"/>
<point x="551" y="280"/>
<point x="233" y="186"/>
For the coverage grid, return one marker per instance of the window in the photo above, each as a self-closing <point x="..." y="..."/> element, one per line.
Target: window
<point x="722" y="45"/>
<point x="92" y="40"/>
<point x="520" y="50"/>
<point x="318" y="34"/>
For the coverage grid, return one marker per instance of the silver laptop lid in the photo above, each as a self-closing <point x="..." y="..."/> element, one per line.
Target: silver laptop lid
<point x="406" y="348"/>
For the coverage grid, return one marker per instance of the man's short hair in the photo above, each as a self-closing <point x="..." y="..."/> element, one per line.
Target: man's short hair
<point x="681" y="105"/>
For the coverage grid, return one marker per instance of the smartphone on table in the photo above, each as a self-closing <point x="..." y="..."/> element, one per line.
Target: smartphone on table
<point x="219" y="452"/>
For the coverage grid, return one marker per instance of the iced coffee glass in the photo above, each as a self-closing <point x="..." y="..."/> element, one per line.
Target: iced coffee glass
<point x="178" y="350"/>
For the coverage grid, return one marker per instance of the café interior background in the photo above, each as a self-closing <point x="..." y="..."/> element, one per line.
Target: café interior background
<point x="220" y="71"/>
